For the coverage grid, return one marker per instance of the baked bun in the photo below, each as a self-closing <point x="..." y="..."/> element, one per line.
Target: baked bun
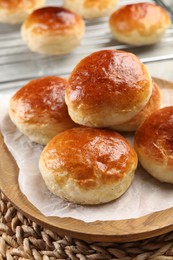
<point x="87" y="165"/>
<point x="154" y="144"/>
<point x="53" y="30"/>
<point x="153" y="104"/>
<point x="90" y="9"/>
<point x="139" y="24"/>
<point x="39" y="110"/>
<point x="107" y="88"/>
<point x="16" y="11"/>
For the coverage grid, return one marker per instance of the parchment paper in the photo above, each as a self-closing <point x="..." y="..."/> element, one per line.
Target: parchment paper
<point x="145" y="195"/>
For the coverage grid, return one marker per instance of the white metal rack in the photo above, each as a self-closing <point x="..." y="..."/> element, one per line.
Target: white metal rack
<point x="18" y="64"/>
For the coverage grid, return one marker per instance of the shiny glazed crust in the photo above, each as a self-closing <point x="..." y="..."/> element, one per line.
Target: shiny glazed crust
<point x="107" y="88"/>
<point x="39" y="110"/>
<point x="82" y="163"/>
<point x="17" y="11"/>
<point x="153" y="104"/>
<point x="90" y="9"/>
<point x="154" y="144"/>
<point x="139" y="24"/>
<point x="53" y="30"/>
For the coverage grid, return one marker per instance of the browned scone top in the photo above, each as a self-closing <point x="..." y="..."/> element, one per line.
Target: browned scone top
<point x="51" y="19"/>
<point x="154" y="144"/>
<point x="86" y="152"/>
<point x="38" y="109"/>
<point x="80" y="163"/>
<point x="108" y="83"/>
<point x="112" y="78"/>
<point x="41" y="98"/>
<point x="153" y="104"/>
<point x="145" y="17"/>
<point x="154" y="138"/>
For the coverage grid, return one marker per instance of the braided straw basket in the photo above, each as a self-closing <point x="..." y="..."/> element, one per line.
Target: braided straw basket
<point x="23" y="239"/>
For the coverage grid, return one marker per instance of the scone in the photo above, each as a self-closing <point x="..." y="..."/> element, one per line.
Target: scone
<point x="139" y="24"/>
<point x="107" y="88"/>
<point x="154" y="144"/>
<point x="90" y="9"/>
<point x="87" y="165"/>
<point x="38" y="109"/>
<point x="53" y="30"/>
<point x="16" y="11"/>
<point x="153" y="104"/>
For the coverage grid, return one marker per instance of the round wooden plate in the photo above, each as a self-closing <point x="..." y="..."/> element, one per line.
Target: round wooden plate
<point x="108" y="231"/>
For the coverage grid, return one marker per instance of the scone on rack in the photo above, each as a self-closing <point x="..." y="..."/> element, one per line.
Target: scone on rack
<point x="154" y="144"/>
<point x="153" y="104"/>
<point x="16" y="11"/>
<point x="90" y="9"/>
<point x="88" y="166"/>
<point x="107" y="88"/>
<point x="53" y="30"/>
<point x="139" y="23"/>
<point x="38" y="109"/>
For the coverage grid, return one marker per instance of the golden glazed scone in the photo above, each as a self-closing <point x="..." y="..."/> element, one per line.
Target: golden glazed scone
<point x="16" y="11"/>
<point x="90" y="9"/>
<point x="38" y="109"/>
<point x="87" y="165"/>
<point x="154" y="144"/>
<point x="153" y="104"/>
<point x="139" y="24"/>
<point x="53" y="30"/>
<point x="107" y="88"/>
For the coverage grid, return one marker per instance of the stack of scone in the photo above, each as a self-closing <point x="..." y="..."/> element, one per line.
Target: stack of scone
<point x="82" y="162"/>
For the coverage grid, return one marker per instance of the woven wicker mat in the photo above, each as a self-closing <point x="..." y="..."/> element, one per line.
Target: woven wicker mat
<point x="23" y="239"/>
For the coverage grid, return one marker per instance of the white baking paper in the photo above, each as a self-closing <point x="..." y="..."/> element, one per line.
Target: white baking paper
<point x="145" y="195"/>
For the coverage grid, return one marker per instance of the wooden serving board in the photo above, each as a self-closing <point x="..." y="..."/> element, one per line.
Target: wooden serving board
<point x="104" y="231"/>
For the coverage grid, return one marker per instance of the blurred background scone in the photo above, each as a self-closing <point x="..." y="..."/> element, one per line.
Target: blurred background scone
<point x="107" y="88"/>
<point x="53" y="30"/>
<point x="153" y="104"/>
<point x="88" y="166"/>
<point x="38" y="109"/>
<point x="90" y="9"/>
<point x="16" y="11"/>
<point x="139" y="24"/>
<point x="154" y="144"/>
